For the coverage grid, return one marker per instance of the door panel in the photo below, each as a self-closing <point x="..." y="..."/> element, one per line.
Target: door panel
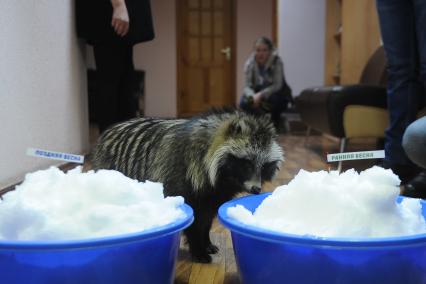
<point x="206" y="55"/>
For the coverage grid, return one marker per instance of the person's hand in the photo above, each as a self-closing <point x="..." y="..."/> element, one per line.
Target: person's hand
<point x="120" y="17"/>
<point x="257" y="98"/>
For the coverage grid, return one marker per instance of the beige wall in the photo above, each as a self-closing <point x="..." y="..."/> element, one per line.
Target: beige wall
<point x="301" y="42"/>
<point x="42" y="85"/>
<point x="158" y="58"/>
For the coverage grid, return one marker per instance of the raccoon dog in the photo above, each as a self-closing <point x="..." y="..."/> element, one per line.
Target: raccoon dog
<point x="206" y="159"/>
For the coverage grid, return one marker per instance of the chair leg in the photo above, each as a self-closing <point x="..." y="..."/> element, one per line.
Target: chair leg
<point x="308" y="133"/>
<point x="287" y="125"/>
<point x="342" y="149"/>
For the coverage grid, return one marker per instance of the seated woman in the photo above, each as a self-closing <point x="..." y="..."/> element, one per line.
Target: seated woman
<point x="265" y="90"/>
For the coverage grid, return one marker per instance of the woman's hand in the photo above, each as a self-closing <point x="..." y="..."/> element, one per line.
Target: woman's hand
<point x="257" y="98"/>
<point x="120" y="17"/>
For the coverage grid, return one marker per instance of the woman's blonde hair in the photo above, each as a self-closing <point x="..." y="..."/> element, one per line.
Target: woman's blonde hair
<point x="266" y="41"/>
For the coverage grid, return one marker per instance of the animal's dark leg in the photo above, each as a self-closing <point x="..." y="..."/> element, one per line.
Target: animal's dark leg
<point x="208" y="218"/>
<point x="198" y="235"/>
<point x="196" y="242"/>
<point x="212" y="249"/>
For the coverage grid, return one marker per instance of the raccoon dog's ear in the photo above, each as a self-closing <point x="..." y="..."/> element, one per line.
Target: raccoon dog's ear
<point x="235" y="128"/>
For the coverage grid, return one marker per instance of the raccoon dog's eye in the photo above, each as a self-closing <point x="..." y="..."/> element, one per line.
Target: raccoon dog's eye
<point x="268" y="170"/>
<point x="240" y="167"/>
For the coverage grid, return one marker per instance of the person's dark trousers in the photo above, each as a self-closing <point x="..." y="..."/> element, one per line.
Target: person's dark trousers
<point x="115" y="101"/>
<point x="403" y="28"/>
<point x="275" y="104"/>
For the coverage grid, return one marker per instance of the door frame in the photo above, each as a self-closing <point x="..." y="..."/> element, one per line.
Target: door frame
<point x="275" y="23"/>
<point x="179" y="59"/>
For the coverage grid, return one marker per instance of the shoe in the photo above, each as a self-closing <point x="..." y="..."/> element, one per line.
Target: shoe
<point x="405" y="172"/>
<point x="416" y="188"/>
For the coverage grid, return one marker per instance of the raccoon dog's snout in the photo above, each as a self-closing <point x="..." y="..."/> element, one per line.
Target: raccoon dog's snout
<point x="253" y="187"/>
<point x="255" y="190"/>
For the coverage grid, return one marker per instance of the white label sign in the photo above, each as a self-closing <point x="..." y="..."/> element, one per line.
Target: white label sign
<point x="380" y="154"/>
<point x="55" y="155"/>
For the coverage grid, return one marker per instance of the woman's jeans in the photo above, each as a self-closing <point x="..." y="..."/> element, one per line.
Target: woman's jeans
<point x="403" y="28"/>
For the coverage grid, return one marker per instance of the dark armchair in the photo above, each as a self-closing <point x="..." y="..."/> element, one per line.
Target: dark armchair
<point x="342" y="111"/>
<point x="322" y="108"/>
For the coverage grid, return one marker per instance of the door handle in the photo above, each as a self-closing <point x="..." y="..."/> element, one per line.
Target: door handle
<point x="227" y="52"/>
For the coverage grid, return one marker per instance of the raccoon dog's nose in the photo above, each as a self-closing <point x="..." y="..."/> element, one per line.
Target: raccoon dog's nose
<point x="255" y="189"/>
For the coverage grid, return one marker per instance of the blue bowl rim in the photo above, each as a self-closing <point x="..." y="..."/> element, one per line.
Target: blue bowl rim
<point x="273" y="236"/>
<point x="144" y="235"/>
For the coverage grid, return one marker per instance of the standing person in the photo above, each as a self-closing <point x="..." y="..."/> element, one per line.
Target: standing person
<point x="403" y="29"/>
<point x="113" y="28"/>
<point x="265" y="90"/>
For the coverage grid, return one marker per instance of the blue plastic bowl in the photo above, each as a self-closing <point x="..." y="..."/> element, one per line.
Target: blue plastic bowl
<point x="145" y="257"/>
<point x="265" y="256"/>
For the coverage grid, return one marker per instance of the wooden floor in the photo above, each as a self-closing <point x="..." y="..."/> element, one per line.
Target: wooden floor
<point x="300" y="153"/>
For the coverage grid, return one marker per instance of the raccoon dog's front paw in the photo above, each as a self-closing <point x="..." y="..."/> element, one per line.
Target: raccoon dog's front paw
<point x="202" y="258"/>
<point x="212" y="249"/>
